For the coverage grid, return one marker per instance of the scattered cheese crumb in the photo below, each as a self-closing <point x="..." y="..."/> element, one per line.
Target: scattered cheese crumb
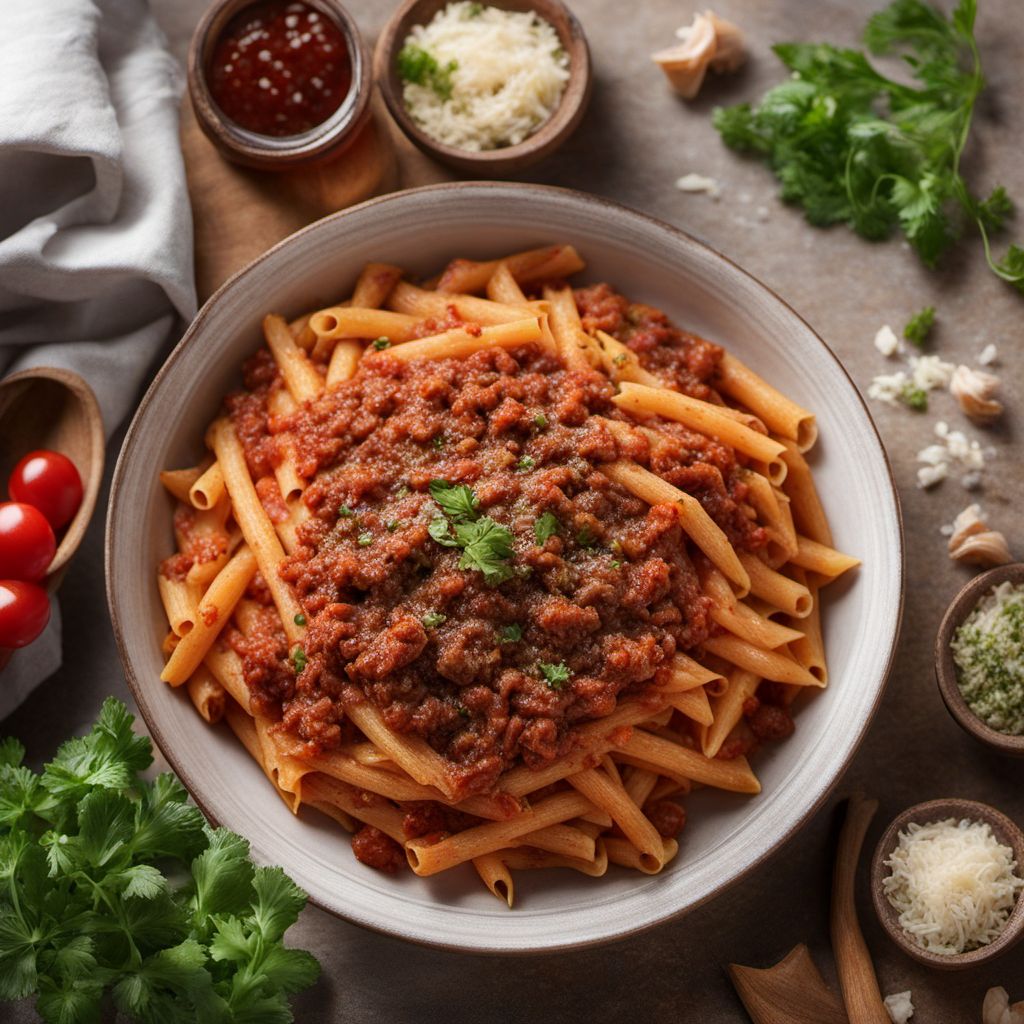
<point x="887" y="387"/>
<point x="886" y="341"/>
<point x="899" y="1007"/>
<point x="953" y="450"/>
<point x="952" y="883"/>
<point x="761" y="213"/>
<point x="930" y="372"/>
<point x="988" y="355"/>
<point x="699" y="183"/>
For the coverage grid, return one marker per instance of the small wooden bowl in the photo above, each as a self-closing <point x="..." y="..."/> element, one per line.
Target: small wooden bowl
<point x="493" y="163"/>
<point x="945" y="668"/>
<point x="55" y="409"/>
<point x="278" y="153"/>
<point x="1005" y="831"/>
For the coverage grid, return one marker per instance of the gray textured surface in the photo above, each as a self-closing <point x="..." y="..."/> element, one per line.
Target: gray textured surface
<point x="635" y="141"/>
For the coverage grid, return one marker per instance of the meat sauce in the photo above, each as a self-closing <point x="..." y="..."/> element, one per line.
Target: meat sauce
<point x="489" y="675"/>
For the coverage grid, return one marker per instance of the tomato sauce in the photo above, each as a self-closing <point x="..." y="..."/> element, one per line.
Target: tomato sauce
<point x="395" y="618"/>
<point x="280" y="68"/>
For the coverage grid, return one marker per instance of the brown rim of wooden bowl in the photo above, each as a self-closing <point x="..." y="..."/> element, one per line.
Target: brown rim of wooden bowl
<point x="945" y="668"/>
<point x="73" y="427"/>
<point x="279" y="153"/>
<point x="510" y="159"/>
<point x="1003" y="829"/>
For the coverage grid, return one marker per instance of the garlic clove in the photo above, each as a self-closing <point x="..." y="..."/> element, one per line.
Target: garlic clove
<point x="988" y="548"/>
<point x="966" y="524"/>
<point x="973" y="390"/>
<point x="686" y="65"/>
<point x="997" y="1000"/>
<point x="730" y="50"/>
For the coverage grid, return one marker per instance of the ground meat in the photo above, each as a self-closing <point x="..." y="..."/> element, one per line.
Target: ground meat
<point x="377" y="850"/>
<point x="490" y="672"/>
<point x="769" y="722"/>
<point x="666" y="816"/>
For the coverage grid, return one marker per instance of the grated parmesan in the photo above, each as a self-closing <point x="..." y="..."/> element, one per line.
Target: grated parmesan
<point x="900" y="1007"/>
<point x="886" y="341"/>
<point x="952" y="451"/>
<point x="952" y="883"/>
<point x="508" y="73"/>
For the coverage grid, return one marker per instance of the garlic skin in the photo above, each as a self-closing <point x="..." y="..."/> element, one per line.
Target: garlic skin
<point x="973" y="543"/>
<point x="973" y="390"/>
<point x="997" y="1009"/>
<point x="710" y="42"/>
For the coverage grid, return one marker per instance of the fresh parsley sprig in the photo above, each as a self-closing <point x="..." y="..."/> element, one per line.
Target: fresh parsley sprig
<point x="420" y="67"/>
<point x="919" y="326"/>
<point x="852" y="146"/>
<point x="486" y="545"/>
<point x="86" y="907"/>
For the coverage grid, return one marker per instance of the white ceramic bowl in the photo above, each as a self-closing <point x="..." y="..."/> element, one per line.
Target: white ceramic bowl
<point x="421" y="229"/>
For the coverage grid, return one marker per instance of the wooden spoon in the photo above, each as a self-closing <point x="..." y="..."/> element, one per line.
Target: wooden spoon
<point x="791" y="992"/>
<point x="54" y="409"/>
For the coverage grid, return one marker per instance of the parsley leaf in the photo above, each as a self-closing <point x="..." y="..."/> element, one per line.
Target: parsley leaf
<point x="544" y="527"/>
<point x="85" y="909"/>
<point x="457" y="501"/>
<point x="556" y="676"/>
<point x="434" y="619"/>
<point x="852" y="146"/>
<point x="510" y="634"/>
<point x="526" y="463"/>
<point x="919" y="326"/>
<point x="418" y="66"/>
<point x="379" y="344"/>
<point x="486" y="546"/>
<point x="540" y="421"/>
<point x="916" y="398"/>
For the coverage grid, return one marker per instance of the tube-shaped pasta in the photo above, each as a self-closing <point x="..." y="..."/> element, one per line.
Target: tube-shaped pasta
<point x="549" y="262"/>
<point x="355" y="322"/>
<point x="670" y="758"/>
<point x="624" y="853"/>
<point x="300" y="376"/>
<point x="344" y="362"/>
<point x="728" y="709"/>
<point x="459" y="343"/>
<point x="577" y="350"/>
<point x="774" y="665"/>
<point x="420" y="303"/>
<point x="778" y="590"/>
<point x="208" y="489"/>
<point x="822" y="559"/>
<point x="207" y="695"/>
<point x="496" y="876"/>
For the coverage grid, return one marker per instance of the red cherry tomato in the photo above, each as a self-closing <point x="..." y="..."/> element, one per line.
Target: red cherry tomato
<point x="24" y="612"/>
<point x="27" y="543"/>
<point x="49" y="481"/>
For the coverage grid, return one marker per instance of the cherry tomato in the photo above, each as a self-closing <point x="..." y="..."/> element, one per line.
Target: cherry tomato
<point x="27" y="543"/>
<point x="24" y="612"/>
<point x="49" y="481"/>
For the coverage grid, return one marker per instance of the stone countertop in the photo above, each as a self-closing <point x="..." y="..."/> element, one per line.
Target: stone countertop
<point x="635" y="141"/>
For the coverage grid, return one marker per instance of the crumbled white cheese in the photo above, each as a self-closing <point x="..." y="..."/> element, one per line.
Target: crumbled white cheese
<point x="887" y="387"/>
<point x="886" y="341"/>
<point x="930" y="372"/>
<point x="952" y="883"/>
<point x="900" y="1007"/>
<point x="954" y="450"/>
<point x="699" y="183"/>
<point x="988" y="355"/>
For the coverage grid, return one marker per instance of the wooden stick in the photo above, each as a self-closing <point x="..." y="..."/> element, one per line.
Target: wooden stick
<point x="853" y="961"/>
<point x="791" y="992"/>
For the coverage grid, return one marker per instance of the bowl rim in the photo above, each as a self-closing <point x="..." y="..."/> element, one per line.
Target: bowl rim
<point x="549" y="136"/>
<point x="945" y="668"/>
<point x="619" y="930"/>
<point x="269" y="152"/>
<point x="1005" y="830"/>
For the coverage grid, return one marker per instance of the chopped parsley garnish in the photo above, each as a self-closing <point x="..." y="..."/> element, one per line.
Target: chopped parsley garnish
<point x="463" y="710"/>
<point x="418" y="66"/>
<point x="853" y="146"/>
<point x="486" y="545"/>
<point x="380" y="344"/>
<point x="544" y="527"/>
<point x="402" y="491"/>
<point x="916" y="398"/>
<point x="117" y="894"/>
<point x="510" y="634"/>
<point x="365" y="539"/>
<point x="298" y="660"/>
<point x="438" y="442"/>
<point x="919" y="326"/>
<point x="457" y="501"/>
<point x="525" y="464"/>
<point x="434" y="619"/>
<point x="556" y="676"/>
<point x="300" y="619"/>
<point x="616" y="564"/>
<point x="585" y="537"/>
<point x="474" y="10"/>
<point x="620" y="359"/>
<point x="540" y="421"/>
<point x="345" y="512"/>
<point x="394" y="525"/>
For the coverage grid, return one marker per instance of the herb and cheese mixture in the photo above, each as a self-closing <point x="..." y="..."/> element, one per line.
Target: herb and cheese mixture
<point x="988" y="650"/>
<point x="480" y="78"/>
<point x="953" y="884"/>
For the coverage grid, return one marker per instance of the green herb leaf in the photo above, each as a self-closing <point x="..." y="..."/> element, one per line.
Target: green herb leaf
<point x="510" y="634"/>
<point x="487" y="547"/>
<point x="555" y="675"/>
<point x="380" y="344"/>
<point x="540" y="421"/>
<point x="919" y="326"/>
<point x="457" y="501"/>
<point x="440" y="529"/>
<point x="526" y="463"/>
<point x="545" y="526"/>
<point x="434" y="619"/>
<point x="418" y="66"/>
<point x="345" y="512"/>
<point x="365" y="539"/>
<point x="915" y="397"/>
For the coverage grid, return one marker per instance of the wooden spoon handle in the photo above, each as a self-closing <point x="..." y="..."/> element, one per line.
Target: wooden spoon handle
<point x="853" y="961"/>
<point x="791" y="992"/>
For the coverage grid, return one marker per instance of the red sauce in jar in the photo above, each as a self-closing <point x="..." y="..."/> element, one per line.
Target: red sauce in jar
<point x="280" y="68"/>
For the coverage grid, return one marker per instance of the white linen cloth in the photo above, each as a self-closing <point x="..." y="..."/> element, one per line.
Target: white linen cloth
<point x="95" y="227"/>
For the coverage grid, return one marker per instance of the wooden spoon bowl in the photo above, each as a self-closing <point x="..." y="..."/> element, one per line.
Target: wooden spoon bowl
<point x="54" y="409"/>
<point x="492" y="163"/>
<point x="1005" y="831"/>
<point x="945" y="668"/>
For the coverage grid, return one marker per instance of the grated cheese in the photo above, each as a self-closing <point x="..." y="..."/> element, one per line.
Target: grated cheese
<point x="699" y="183"/>
<point x="886" y="341"/>
<point x="953" y="884"/>
<point x="988" y="355"/>
<point x="900" y="1007"/>
<point x="952" y="451"/>
<point x="509" y="73"/>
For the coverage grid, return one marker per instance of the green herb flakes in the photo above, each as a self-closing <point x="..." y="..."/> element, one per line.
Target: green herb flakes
<point x="114" y="890"/>
<point x="345" y="512"/>
<point x="526" y="463"/>
<point x="919" y="326"/>
<point x="544" y="527"/>
<point x="379" y="344"/>
<point x="540" y="421"/>
<point x="914" y="397"/>
<point x="556" y="676"/>
<point x="434" y="619"/>
<point x="510" y="634"/>
<point x="298" y="660"/>
<point x="365" y="539"/>
<point x="418" y="66"/>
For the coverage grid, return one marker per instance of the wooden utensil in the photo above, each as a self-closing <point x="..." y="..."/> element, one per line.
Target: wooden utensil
<point x="791" y="992"/>
<point x="853" y="961"/>
<point x="939" y="810"/>
<point x="945" y="668"/>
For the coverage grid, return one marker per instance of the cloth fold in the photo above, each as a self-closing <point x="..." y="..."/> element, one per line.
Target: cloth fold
<point x="96" y="266"/>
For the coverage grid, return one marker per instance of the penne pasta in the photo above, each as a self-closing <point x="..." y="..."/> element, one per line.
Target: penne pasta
<point x="459" y="343"/>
